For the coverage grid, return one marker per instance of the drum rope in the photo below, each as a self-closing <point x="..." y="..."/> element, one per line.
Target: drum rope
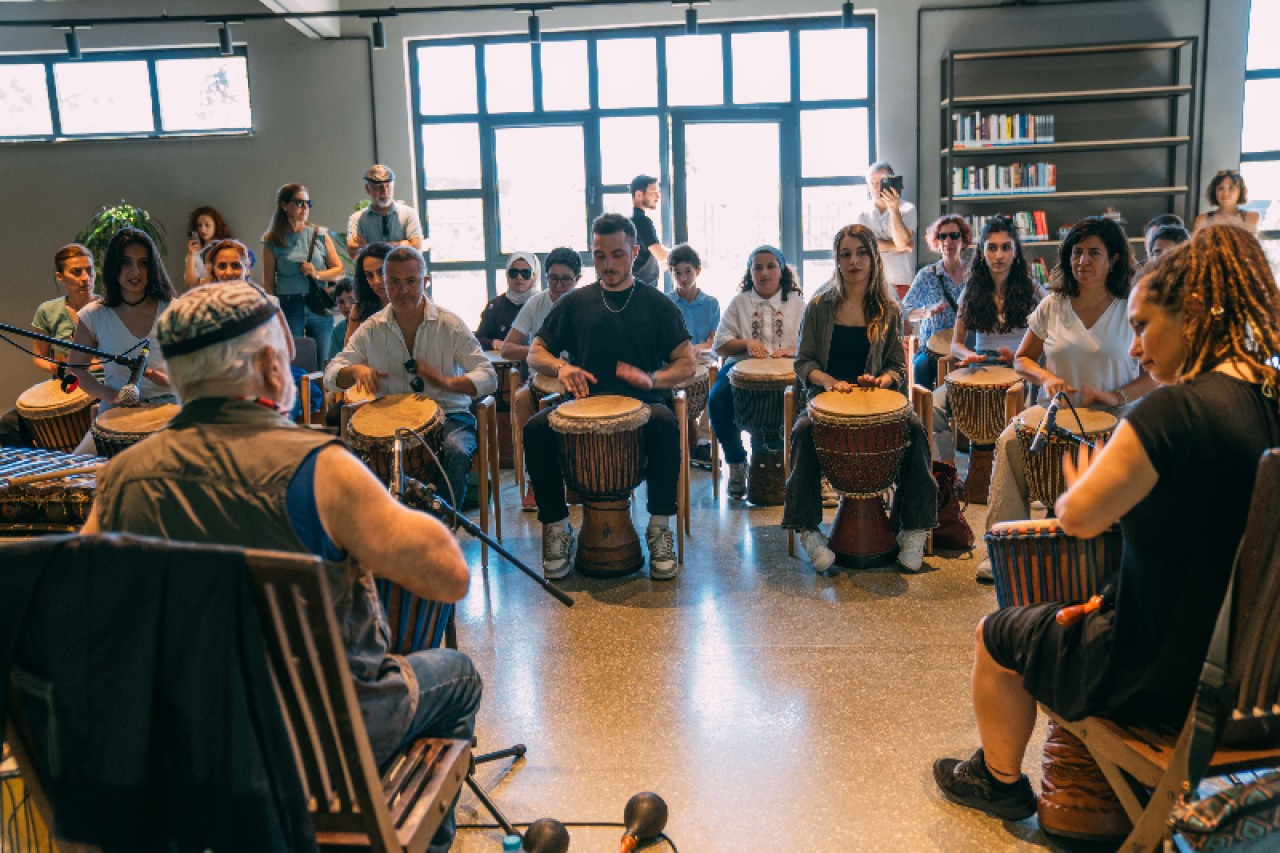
<point x="401" y="432"/>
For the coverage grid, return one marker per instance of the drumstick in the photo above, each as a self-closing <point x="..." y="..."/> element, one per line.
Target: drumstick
<point x="51" y="475"/>
<point x="1073" y="613"/>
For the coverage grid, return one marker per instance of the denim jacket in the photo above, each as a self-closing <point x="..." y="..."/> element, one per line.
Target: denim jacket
<point x="886" y="354"/>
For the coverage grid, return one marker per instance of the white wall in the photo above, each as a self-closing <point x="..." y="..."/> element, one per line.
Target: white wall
<point x="312" y="117"/>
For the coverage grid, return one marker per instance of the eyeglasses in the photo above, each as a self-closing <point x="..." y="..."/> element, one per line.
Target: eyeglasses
<point x="561" y="280"/>
<point x="515" y="273"/>
<point x="1228" y="173"/>
<point x="301" y="203"/>
<point x="416" y="383"/>
<point x="950" y="235"/>
<point x="379" y="183"/>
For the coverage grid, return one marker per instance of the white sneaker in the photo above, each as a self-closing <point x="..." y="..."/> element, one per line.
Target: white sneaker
<point x="815" y="545"/>
<point x="662" y="552"/>
<point x="738" y="480"/>
<point x="911" y="549"/>
<point x="830" y="497"/>
<point x="557" y="550"/>
<point x="983" y="575"/>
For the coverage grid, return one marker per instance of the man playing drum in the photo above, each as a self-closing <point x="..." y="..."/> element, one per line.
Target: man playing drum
<point x="617" y="339"/>
<point x="444" y="362"/>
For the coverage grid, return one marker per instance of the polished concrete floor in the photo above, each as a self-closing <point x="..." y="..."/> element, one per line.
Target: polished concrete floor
<point x="773" y="709"/>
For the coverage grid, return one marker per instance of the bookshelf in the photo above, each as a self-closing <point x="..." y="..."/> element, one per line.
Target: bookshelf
<point x="1024" y="131"/>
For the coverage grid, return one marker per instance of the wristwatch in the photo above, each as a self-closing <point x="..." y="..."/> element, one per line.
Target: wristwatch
<point x="653" y="377"/>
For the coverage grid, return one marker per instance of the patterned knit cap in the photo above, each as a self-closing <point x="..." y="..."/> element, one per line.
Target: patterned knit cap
<point x="211" y="315"/>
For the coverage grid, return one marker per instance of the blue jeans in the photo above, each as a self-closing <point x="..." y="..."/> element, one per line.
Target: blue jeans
<point x="460" y="443"/>
<point x="720" y="409"/>
<point x="303" y="323"/>
<point x="448" y="697"/>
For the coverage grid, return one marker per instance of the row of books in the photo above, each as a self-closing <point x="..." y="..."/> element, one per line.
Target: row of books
<point x="1032" y="224"/>
<point x="1039" y="272"/>
<point x="975" y="130"/>
<point x="1013" y="178"/>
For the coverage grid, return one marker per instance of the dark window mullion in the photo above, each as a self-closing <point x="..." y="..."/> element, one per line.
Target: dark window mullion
<point x="157" y="124"/>
<point x="51" y="85"/>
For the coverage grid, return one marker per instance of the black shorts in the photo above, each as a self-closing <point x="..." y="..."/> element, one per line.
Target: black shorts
<point x="1063" y="668"/>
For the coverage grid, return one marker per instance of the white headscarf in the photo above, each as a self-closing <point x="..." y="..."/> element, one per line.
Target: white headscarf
<point x="532" y="260"/>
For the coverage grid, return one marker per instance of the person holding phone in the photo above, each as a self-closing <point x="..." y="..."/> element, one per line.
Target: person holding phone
<point x="204" y="226"/>
<point x="893" y="221"/>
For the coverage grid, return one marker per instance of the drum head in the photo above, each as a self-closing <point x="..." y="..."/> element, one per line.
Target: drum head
<point x="48" y="399"/>
<point x="604" y="414"/>
<point x="383" y="416"/>
<point x="546" y="384"/>
<point x="495" y="358"/>
<point x="136" y="420"/>
<point x="764" y="372"/>
<point x="983" y="374"/>
<point x="1089" y="422"/>
<point x="871" y="403"/>
<point x="940" y="342"/>
<point x="1030" y="527"/>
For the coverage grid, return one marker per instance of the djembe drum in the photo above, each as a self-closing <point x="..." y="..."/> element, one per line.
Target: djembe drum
<point x="977" y="397"/>
<point x="58" y="419"/>
<point x="1045" y="480"/>
<point x="1034" y="562"/>
<point x="696" y="389"/>
<point x="371" y="434"/>
<point x="120" y="428"/>
<point x="602" y="456"/>
<point x="541" y="387"/>
<point x="860" y="437"/>
<point x="759" y="385"/>
<point x="502" y="404"/>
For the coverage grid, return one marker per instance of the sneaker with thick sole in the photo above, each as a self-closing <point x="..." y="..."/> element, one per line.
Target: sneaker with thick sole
<point x="661" y="543"/>
<point x="738" y="481"/>
<point x="983" y="574"/>
<point x="969" y="783"/>
<point x="529" y="503"/>
<point x="557" y="551"/>
<point x="911" y="549"/>
<point x="700" y="456"/>
<point x="815" y="545"/>
<point x="830" y="497"/>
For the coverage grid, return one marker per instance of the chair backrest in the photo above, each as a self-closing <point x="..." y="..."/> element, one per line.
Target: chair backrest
<point x="305" y="355"/>
<point x="1253" y="677"/>
<point x="309" y="670"/>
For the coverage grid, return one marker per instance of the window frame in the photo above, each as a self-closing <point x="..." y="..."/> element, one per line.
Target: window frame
<point x="589" y="118"/>
<point x="150" y="56"/>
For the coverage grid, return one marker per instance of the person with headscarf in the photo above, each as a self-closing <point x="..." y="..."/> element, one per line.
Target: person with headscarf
<point x="523" y="274"/>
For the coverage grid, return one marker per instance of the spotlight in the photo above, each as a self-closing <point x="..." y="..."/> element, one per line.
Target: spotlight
<point x="225" y="47"/>
<point x="379" y="34"/>
<point x="691" y="21"/>
<point x="73" y="44"/>
<point x="535" y="29"/>
<point x="846" y="15"/>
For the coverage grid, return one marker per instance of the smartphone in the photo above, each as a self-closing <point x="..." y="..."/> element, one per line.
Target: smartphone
<point x="894" y="181"/>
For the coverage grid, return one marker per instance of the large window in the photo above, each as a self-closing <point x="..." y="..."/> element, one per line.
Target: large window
<point x="49" y="97"/>
<point x="755" y="132"/>
<point x="1260" y="136"/>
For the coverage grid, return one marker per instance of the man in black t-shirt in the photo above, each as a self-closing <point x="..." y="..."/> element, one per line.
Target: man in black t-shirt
<point x="611" y="337"/>
<point x="645" y="195"/>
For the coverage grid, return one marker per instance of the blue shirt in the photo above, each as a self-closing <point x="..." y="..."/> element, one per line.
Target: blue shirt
<point x="926" y="291"/>
<point x="701" y="316"/>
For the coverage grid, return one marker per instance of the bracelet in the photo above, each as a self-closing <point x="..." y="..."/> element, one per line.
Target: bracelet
<point x="1124" y="397"/>
<point x="653" y="377"/>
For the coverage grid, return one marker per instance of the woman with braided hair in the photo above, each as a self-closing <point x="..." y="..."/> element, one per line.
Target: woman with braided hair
<point x="1177" y="475"/>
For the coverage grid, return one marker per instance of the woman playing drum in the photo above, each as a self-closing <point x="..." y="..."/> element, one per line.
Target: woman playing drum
<point x="1205" y="321"/>
<point x="1082" y="334"/>
<point x="849" y="336"/>
<point x="763" y="321"/>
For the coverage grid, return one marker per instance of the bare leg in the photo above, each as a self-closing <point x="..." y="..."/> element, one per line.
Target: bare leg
<point x="1006" y="714"/>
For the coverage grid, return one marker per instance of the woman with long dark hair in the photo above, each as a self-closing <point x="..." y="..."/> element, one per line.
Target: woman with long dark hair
<point x="204" y="226"/>
<point x="850" y="337"/>
<point x="370" y="285"/>
<point x="295" y="251"/>
<point x="998" y="297"/>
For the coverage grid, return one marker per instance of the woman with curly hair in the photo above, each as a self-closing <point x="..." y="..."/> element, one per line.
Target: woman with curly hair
<point x="762" y="321"/>
<point x="204" y="226"/>
<point x="1206" y="325"/>
<point x="848" y="338"/>
<point x="1226" y="192"/>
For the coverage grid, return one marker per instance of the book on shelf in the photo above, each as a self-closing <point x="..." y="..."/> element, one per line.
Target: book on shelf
<point x="1004" y="180"/>
<point x="975" y="130"/>
<point x="1039" y="272"/>
<point x="1031" y="224"/>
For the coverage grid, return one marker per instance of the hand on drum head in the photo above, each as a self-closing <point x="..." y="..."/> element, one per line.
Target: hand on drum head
<point x="840" y="387"/>
<point x="1090" y="395"/>
<point x="755" y="349"/>
<point x="1007" y="355"/>
<point x="866" y="380"/>
<point x="157" y="376"/>
<point x="576" y="380"/>
<point x="1056" y="385"/>
<point x="632" y="375"/>
<point x="367" y="379"/>
<point x="971" y="359"/>
<point x="1073" y="470"/>
<point x="783" y="352"/>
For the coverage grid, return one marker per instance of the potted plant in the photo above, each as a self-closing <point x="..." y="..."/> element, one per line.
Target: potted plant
<point x="108" y="220"/>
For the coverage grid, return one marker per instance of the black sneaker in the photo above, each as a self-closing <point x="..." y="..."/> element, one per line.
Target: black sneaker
<point x="700" y="457"/>
<point x="969" y="783"/>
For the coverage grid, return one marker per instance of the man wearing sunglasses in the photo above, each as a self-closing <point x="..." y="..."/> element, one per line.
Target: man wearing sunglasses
<point x="385" y="220"/>
<point x="415" y="346"/>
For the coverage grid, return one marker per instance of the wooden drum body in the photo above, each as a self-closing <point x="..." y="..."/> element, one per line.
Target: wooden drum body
<point x="759" y="385"/>
<point x="502" y="403"/>
<point x="602" y="456"/>
<point x="372" y="429"/>
<point x="696" y="389"/>
<point x="1045" y="480"/>
<point x="977" y="397"/>
<point x="58" y="419"/>
<point x="541" y="387"/>
<point x="1034" y="562"/>
<point x="51" y="506"/>
<point x="120" y="428"/>
<point x="860" y="437"/>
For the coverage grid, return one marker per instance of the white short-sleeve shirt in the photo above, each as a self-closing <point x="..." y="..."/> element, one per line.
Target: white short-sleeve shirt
<point x="1096" y="356"/>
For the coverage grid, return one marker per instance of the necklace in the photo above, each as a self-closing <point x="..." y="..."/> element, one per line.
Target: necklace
<point x="609" y="307"/>
<point x="133" y="304"/>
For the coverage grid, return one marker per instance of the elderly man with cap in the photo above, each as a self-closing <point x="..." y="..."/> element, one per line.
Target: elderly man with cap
<point x="230" y="470"/>
<point x="413" y="345"/>
<point x="385" y="220"/>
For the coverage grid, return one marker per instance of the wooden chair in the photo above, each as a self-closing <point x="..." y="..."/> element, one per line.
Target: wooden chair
<point x="680" y="407"/>
<point x="306" y="358"/>
<point x="922" y="405"/>
<point x="713" y="371"/>
<point x="1150" y="771"/>
<point x="517" y="435"/>
<point x="788" y="421"/>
